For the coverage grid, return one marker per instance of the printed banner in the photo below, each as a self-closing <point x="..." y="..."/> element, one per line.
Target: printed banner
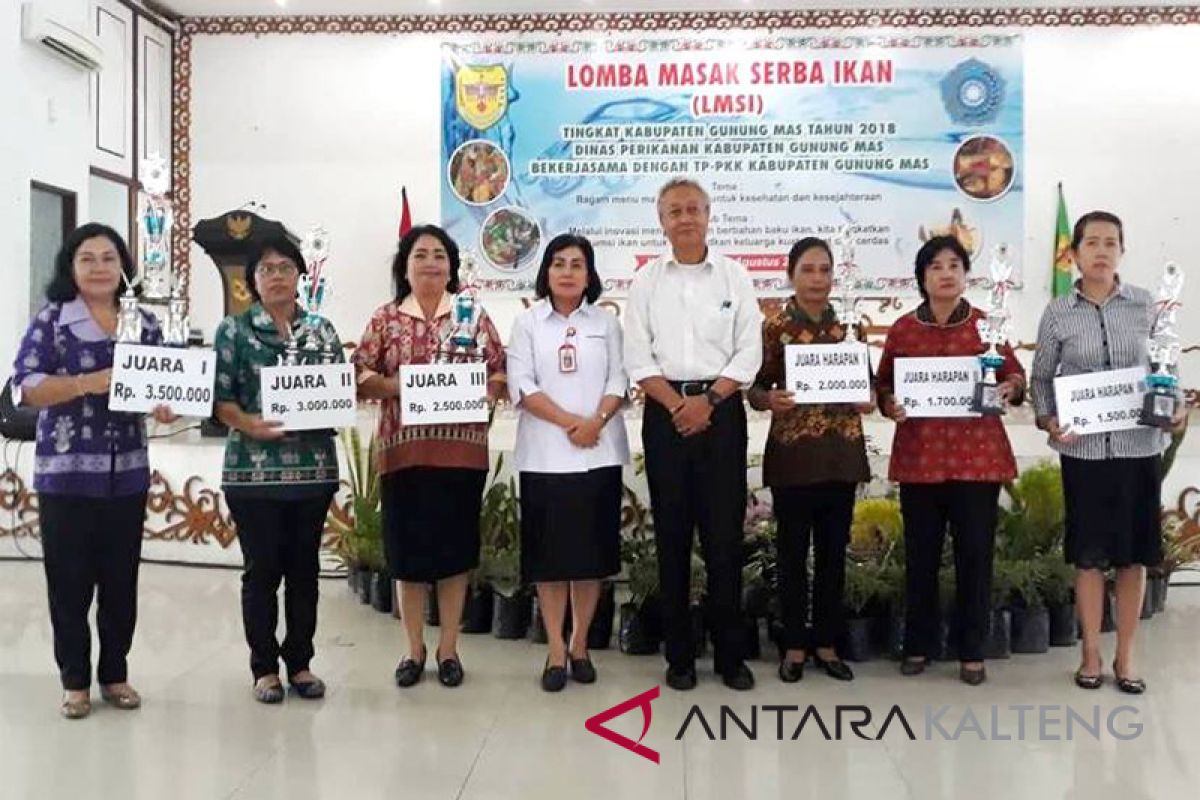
<point x="902" y="136"/>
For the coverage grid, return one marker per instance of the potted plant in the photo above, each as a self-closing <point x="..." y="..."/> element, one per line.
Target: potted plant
<point x="877" y="537"/>
<point x="1030" y="616"/>
<point x="480" y="606"/>
<point x="1035" y="520"/>
<point x="865" y="586"/>
<point x="1108" y="620"/>
<point x="1057" y="590"/>
<point x="640" y="621"/>
<point x="760" y="554"/>
<point x="1181" y="545"/>
<point x="1181" y="534"/>
<point x="697" y="587"/>
<point x="360" y="544"/>
<point x="890" y="638"/>
<point x="499" y="558"/>
<point x="999" y="638"/>
<point x="600" y="632"/>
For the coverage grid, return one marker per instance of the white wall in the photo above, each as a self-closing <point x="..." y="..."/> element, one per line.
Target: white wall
<point x="47" y="138"/>
<point x="325" y="131"/>
<point x="49" y="129"/>
<point x="328" y="127"/>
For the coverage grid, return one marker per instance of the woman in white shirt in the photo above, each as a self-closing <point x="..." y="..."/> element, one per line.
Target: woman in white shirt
<point x="566" y="375"/>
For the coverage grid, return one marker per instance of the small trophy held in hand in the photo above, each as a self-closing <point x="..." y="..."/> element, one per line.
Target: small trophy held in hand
<point x="994" y="331"/>
<point x="1161" y="405"/>
<point x="462" y="339"/>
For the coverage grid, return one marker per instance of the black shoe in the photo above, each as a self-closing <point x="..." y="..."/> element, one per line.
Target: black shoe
<point x="1089" y="682"/>
<point x="913" y="666"/>
<point x="740" y="678"/>
<point x="582" y="670"/>
<point x="681" y="679"/>
<point x="1128" y="685"/>
<point x="409" y="672"/>
<point x="554" y="678"/>
<point x="450" y="672"/>
<point x="972" y="677"/>
<point x="837" y="669"/>
<point x="308" y="690"/>
<point x="791" y="671"/>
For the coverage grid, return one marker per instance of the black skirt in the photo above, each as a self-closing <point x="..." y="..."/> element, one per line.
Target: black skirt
<point x="431" y="521"/>
<point x="1113" y="508"/>
<point x="570" y="525"/>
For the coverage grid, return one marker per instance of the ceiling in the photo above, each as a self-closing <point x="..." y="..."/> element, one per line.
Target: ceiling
<point x="257" y="7"/>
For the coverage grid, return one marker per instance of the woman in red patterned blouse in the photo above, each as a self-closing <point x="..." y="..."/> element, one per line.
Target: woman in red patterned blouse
<point x="431" y="476"/>
<point x="949" y="468"/>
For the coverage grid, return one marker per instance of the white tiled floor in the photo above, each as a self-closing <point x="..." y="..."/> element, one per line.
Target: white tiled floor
<point x="200" y="735"/>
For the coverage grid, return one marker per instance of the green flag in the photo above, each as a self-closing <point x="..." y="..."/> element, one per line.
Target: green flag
<point x="1063" y="263"/>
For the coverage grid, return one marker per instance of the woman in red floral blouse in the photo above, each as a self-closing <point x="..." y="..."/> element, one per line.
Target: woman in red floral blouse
<point x="431" y="476"/>
<point x="949" y="468"/>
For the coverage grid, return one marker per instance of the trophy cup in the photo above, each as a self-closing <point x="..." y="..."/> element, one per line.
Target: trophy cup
<point x="1162" y="396"/>
<point x="290" y="357"/>
<point x="315" y="249"/>
<point x="846" y="279"/>
<point x="175" y="333"/>
<point x="994" y="330"/>
<point x="463" y="340"/>
<point x="129" y="317"/>
<point x="155" y="218"/>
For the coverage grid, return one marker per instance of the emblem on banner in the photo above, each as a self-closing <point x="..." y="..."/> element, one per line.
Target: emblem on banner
<point x="481" y="95"/>
<point x="972" y="93"/>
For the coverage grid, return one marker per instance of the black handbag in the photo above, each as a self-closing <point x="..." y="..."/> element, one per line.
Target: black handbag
<point x="16" y="422"/>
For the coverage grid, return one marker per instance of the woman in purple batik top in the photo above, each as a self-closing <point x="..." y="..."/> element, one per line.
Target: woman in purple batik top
<point x="91" y="473"/>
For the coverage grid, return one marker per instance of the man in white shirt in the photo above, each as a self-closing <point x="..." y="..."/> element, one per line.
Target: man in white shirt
<point x="693" y="339"/>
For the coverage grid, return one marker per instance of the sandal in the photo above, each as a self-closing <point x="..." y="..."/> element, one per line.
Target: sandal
<point x="267" y="691"/>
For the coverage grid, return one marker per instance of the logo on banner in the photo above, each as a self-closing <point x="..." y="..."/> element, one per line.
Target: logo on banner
<point x="972" y="93"/>
<point x="481" y="95"/>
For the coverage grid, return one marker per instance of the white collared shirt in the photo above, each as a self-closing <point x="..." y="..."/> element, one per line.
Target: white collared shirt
<point x="533" y="366"/>
<point x="693" y="322"/>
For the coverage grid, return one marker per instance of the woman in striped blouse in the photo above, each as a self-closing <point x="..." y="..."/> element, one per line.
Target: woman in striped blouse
<point x="1110" y="480"/>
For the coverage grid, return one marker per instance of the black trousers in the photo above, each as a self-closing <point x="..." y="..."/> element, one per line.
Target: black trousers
<point x="820" y="513"/>
<point x="92" y="548"/>
<point x="280" y="541"/>
<point x="699" y="482"/>
<point x="970" y="510"/>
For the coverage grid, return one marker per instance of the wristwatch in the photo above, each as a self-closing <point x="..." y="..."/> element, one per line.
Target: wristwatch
<point x="714" y="397"/>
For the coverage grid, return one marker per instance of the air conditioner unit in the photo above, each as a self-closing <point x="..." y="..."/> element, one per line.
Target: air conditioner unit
<point x="67" y="40"/>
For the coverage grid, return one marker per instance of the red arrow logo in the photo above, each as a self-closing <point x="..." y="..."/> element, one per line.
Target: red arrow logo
<point x="596" y="724"/>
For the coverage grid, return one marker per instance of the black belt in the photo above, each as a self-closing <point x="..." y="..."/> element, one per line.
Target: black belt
<point x="691" y="388"/>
